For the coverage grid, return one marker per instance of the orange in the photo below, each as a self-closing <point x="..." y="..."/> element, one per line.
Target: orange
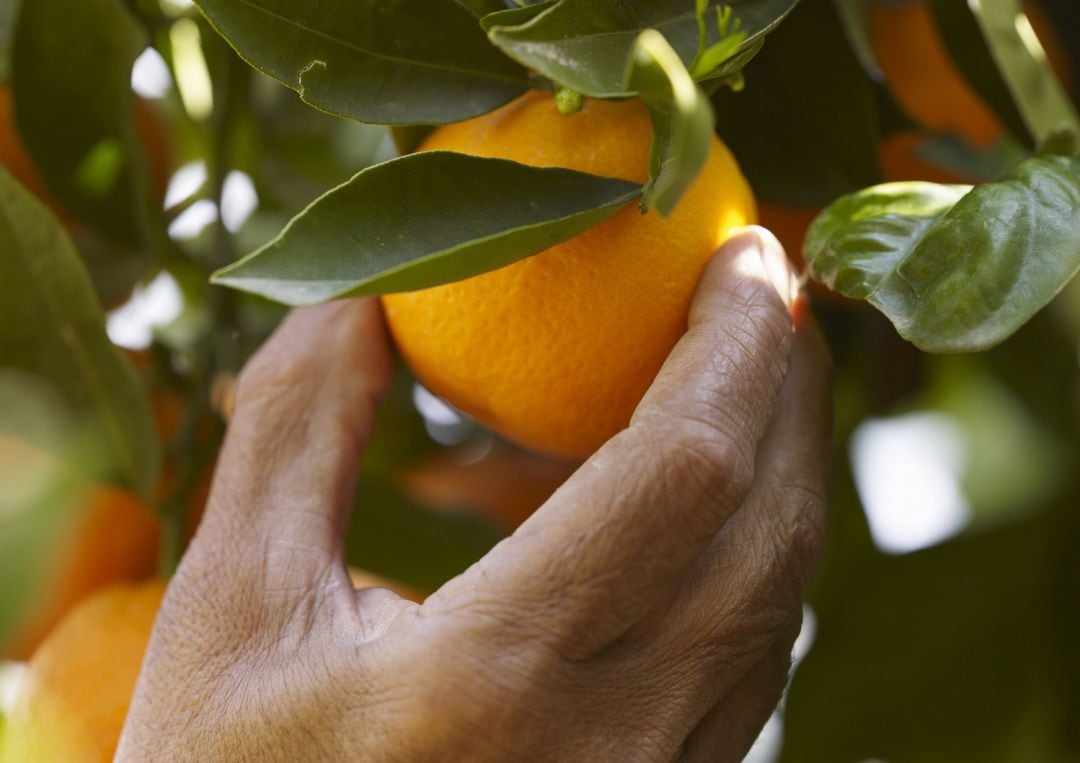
<point x="506" y="486"/>
<point x="556" y="350"/>
<point x="898" y="156"/>
<point x="923" y="77"/>
<point x="72" y="701"/>
<point x="103" y="535"/>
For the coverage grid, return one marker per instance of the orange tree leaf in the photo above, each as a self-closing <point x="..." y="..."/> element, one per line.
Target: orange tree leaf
<point x="422" y="220"/>
<point x="53" y="346"/>
<point x="955" y="269"/>
<point x="384" y="61"/>
<point x="585" y="46"/>
<point x="74" y="109"/>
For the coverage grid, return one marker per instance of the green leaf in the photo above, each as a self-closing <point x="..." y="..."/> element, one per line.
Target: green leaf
<point x="681" y="118"/>
<point x="8" y="11"/>
<point x="75" y="112"/>
<point x="1042" y="102"/>
<point x="385" y="61"/>
<point x="508" y="17"/>
<point x="423" y="220"/>
<point x="804" y="133"/>
<point x="53" y="345"/>
<point x="481" y="8"/>
<point x="586" y="46"/>
<point x="971" y="51"/>
<point x="954" y="269"/>
<point x="852" y="15"/>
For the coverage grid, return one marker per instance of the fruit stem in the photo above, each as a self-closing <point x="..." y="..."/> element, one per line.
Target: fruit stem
<point x="568" y="101"/>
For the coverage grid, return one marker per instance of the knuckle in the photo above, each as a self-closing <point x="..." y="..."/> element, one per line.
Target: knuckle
<point x="799" y="536"/>
<point x="714" y="467"/>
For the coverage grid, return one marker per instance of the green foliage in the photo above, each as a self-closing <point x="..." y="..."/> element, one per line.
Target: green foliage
<point x="345" y="58"/>
<point x="76" y="115"/>
<point x="803" y="134"/>
<point x="964" y="651"/>
<point x="681" y="118"/>
<point x="585" y="46"/>
<point x="924" y="255"/>
<point x="54" y="343"/>
<point x="422" y="220"/>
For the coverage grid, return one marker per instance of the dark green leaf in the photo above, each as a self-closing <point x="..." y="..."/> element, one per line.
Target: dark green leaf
<point x="852" y="15"/>
<point x="74" y="108"/>
<point x="681" y="118"/>
<point x="969" y="50"/>
<point x="586" y="46"/>
<point x="8" y="11"/>
<point x="423" y="220"/>
<point x="408" y="137"/>
<point x="1039" y="96"/>
<point x="392" y="537"/>
<point x="508" y="17"/>
<point x="481" y="8"/>
<point x="53" y="341"/>
<point x="955" y="271"/>
<point x="804" y="134"/>
<point x="385" y="61"/>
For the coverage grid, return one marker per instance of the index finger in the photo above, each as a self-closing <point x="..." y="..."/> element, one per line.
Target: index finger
<point x="633" y="519"/>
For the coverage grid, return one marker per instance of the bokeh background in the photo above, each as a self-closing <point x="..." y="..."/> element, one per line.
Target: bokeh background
<point x="945" y="622"/>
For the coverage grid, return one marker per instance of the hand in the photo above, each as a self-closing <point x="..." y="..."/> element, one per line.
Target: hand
<point x="645" y="613"/>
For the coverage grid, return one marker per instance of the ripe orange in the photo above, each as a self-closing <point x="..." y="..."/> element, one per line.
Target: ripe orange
<point x="506" y="486"/>
<point x="103" y="535"/>
<point x="73" y="699"/>
<point x="923" y="77"/>
<point x="898" y="156"/>
<point x="556" y="350"/>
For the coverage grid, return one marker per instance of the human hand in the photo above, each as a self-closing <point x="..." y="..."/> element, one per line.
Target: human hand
<point x="645" y="612"/>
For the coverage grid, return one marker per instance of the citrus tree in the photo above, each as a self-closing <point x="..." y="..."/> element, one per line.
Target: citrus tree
<point x="532" y="189"/>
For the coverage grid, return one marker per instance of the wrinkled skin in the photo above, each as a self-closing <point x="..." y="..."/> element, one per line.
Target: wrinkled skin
<point x="645" y="613"/>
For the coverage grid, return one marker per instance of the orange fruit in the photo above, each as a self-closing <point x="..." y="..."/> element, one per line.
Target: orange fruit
<point x="71" y="703"/>
<point x="556" y="350"/>
<point x="925" y="80"/>
<point x="102" y="535"/>
<point x="898" y="156"/>
<point x="506" y="486"/>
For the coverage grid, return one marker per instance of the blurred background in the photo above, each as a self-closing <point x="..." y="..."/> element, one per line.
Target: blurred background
<point x="945" y="622"/>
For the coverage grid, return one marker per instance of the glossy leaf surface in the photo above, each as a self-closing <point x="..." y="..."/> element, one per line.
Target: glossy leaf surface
<point x="681" y="117"/>
<point x="423" y="220"/>
<point x="955" y="271"/>
<point x="586" y="46"/>
<point x="396" y="62"/>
